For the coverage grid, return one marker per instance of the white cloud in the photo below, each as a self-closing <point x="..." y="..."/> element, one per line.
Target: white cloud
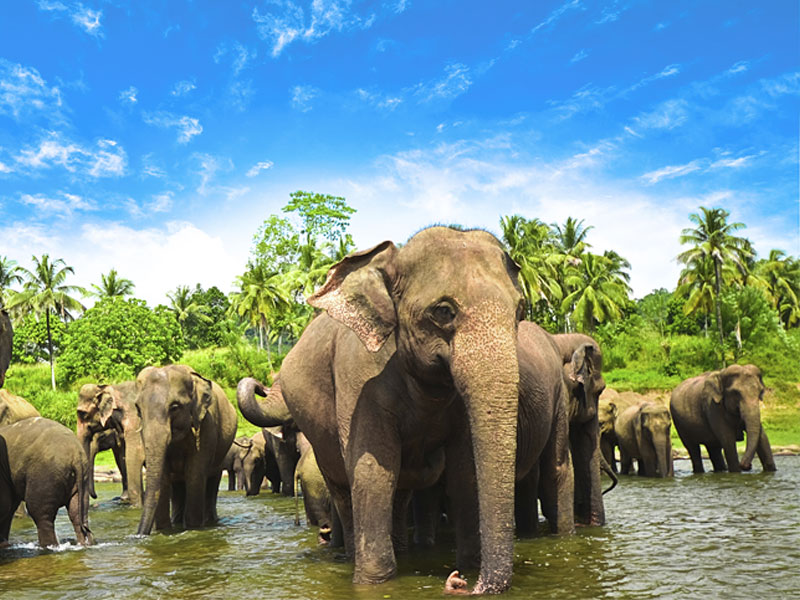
<point x="285" y="21"/>
<point x="108" y="159"/>
<point x="24" y="93"/>
<point x="65" y="204"/>
<point x="302" y="95"/>
<point x="667" y="115"/>
<point x="671" y="171"/>
<point x="4" y="168"/>
<point x="187" y="127"/>
<point x="129" y="95"/>
<point x="183" y="87"/>
<point x="554" y="16"/>
<point x="240" y="55"/>
<point x="84" y="17"/>
<point x="731" y="163"/>
<point x="579" y="56"/>
<point x="378" y="99"/>
<point x="455" y="82"/>
<point x="150" y="168"/>
<point x="208" y="167"/>
<point x="161" y="202"/>
<point x="258" y="167"/>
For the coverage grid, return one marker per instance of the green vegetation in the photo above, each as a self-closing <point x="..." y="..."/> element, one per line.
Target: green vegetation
<point x="727" y="306"/>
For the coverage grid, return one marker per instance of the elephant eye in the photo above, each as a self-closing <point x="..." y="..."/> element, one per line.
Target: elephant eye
<point x="443" y="314"/>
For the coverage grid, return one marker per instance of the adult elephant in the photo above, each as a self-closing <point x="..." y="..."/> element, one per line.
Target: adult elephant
<point x="42" y="463"/>
<point x="418" y="351"/>
<point x="258" y="463"/>
<point x="643" y="433"/>
<point x="583" y="374"/>
<point x="718" y="408"/>
<point x="6" y="340"/>
<point x="282" y="452"/>
<point x="14" y="408"/>
<point x="188" y="425"/>
<point x="103" y="409"/>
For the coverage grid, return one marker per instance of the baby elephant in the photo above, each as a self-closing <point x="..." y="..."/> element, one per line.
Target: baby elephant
<point x="42" y="463"/>
<point x="642" y="432"/>
<point x="316" y="497"/>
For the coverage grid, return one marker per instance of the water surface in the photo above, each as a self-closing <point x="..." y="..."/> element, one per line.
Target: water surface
<point x="709" y="536"/>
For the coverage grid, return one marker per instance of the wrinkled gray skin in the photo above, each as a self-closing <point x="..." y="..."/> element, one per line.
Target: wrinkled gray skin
<point x="257" y="463"/>
<point x="417" y="351"/>
<point x="188" y="426"/>
<point x="316" y="497"/>
<point x="718" y="408"/>
<point x="232" y="464"/>
<point x="643" y="433"/>
<point x="42" y="463"/>
<point x="6" y="341"/>
<point x="282" y="452"/>
<point x="583" y="374"/>
<point x="610" y="405"/>
<point x="103" y="409"/>
<point x="14" y="408"/>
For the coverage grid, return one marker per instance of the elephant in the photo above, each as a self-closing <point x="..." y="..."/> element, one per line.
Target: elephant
<point x="6" y="344"/>
<point x="643" y="432"/>
<point x="13" y="408"/>
<point x="42" y="463"/>
<point x="583" y="374"/>
<point x="112" y="408"/>
<point x="188" y="425"/>
<point x="415" y="358"/>
<point x="316" y="497"/>
<point x="233" y="464"/>
<point x="257" y="463"/>
<point x="281" y="453"/>
<point x="718" y="408"/>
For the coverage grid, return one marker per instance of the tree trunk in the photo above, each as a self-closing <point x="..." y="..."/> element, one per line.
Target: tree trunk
<point x="50" y="350"/>
<point x="717" y="286"/>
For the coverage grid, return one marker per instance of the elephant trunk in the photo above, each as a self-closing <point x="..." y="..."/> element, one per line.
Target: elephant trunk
<point x="751" y="415"/>
<point x="85" y="437"/>
<point x="271" y="413"/>
<point x="486" y="374"/>
<point x="155" y="456"/>
<point x="663" y="456"/>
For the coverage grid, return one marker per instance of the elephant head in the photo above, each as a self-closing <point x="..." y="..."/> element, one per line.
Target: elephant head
<point x="451" y="301"/>
<point x="738" y="390"/>
<point x="6" y="339"/>
<point x="252" y="457"/>
<point x="96" y="404"/>
<point x="172" y="402"/>
<point x="584" y="376"/>
<point x="651" y="430"/>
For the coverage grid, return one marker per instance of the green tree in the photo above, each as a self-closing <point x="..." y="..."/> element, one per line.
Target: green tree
<point x="713" y="239"/>
<point x="112" y="285"/>
<point x="46" y="293"/>
<point x="322" y="215"/>
<point x="9" y="275"/>
<point x="118" y="337"/>
<point x="30" y="339"/>
<point x="204" y="333"/>
<point x="597" y="294"/>
<point x="654" y="309"/>
<point x="781" y="277"/>
<point x="276" y="244"/>
<point x="182" y="304"/>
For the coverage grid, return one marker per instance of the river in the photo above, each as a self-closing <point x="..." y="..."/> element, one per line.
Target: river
<point x="711" y="536"/>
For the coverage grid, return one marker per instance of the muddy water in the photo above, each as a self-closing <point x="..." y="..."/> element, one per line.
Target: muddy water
<point x="711" y="536"/>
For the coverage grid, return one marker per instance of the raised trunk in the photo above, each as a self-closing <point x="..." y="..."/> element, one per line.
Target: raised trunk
<point x="751" y="415"/>
<point x="270" y="413"/>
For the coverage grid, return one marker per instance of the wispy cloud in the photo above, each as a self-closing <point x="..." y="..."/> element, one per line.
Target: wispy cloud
<point x="208" y="167"/>
<point x="86" y="18"/>
<point x="302" y="95"/>
<point x="554" y="16"/>
<point x="129" y="95"/>
<point x="284" y="21"/>
<point x="671" y="171"/>
<point x="666" y="115"/>
<point x="379" y="99"/>
<point x="264" y="165"/>
<point x="24" y="93"/>
<point x="108" y="159"/>
<point x="182" y="88"/>
<point x="64" y="204"/>
<point x="239" y="55"/>
<point x="161" y="202"/>
<point x="456" y="80"/>
<point x="579" y="56"/>
<point x="187" y="127"/>
<point x="668" y="71"/>
<point x="150" y="168"/>
<point x="695" y="166"/>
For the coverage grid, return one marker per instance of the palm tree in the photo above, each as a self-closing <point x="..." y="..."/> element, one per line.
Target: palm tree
<point x="781" y="277"/>
<point x="9" y="274"/>
<point x="181" y="303"/>
<point x="571" y="238"/>
<point x="45" y="293"/>
<point x="713" y="238"/>
<point x="598" y="294"/>
<point x="113" y="285"/>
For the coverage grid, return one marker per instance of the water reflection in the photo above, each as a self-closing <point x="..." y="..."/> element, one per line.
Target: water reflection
<point x="692" y="536"/>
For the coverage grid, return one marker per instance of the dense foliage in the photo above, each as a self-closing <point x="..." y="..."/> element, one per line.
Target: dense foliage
<point x="116" y="338"/>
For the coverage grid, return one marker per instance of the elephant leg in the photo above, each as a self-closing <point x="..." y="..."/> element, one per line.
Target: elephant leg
<point x="556" y="484"/>
<point x="589" y="508"/>
<point x="715" y="456"/>
<point x="462" y="492"/>
<point x="625" y="462"/>
<point x="162" y="520"/>
<point x="694" y="455"/>
<point x="231" y="480"/>
<point x="764" y="451"/>
<point x="427" y="510"/>
<point x="337" y="532"/>
<point x="119" y="459"/>
<point x="212" y="490"/>
<point x="178" y="503"/>
<point x="526" y="503"/>
<point x="8" y="506"/>
<point x="286" y="465"/>
<point x="344" y="511"/>
<point x="731" y="456"/>
<point x="134" y="459"/>
<point x="195" y="499"/>
<point x="44" y="518"/>
<point x="402" y="499"/>
<point x="79" y="521"/>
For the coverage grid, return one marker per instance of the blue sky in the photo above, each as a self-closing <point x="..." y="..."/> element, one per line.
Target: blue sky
<point x="155" y="137"/>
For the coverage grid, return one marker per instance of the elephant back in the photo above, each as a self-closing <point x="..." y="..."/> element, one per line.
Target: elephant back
<point x="14" y="408"/>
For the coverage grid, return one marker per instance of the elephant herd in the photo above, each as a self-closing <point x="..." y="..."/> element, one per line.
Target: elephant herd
<point x="417" y="389"/>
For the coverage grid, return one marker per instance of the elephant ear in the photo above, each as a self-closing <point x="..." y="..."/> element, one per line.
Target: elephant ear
<point x="356" y="293"/>
<point x="106" y="401"/>
<point x="712" y="388"/>
<point x="582" y="363"/>
<point x="202" y="396"/>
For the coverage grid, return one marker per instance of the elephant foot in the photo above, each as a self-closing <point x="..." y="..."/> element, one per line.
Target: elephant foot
<point x="324" y="536"/>
<point x="455" y="584"/>
<point x="746" y="466"/>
